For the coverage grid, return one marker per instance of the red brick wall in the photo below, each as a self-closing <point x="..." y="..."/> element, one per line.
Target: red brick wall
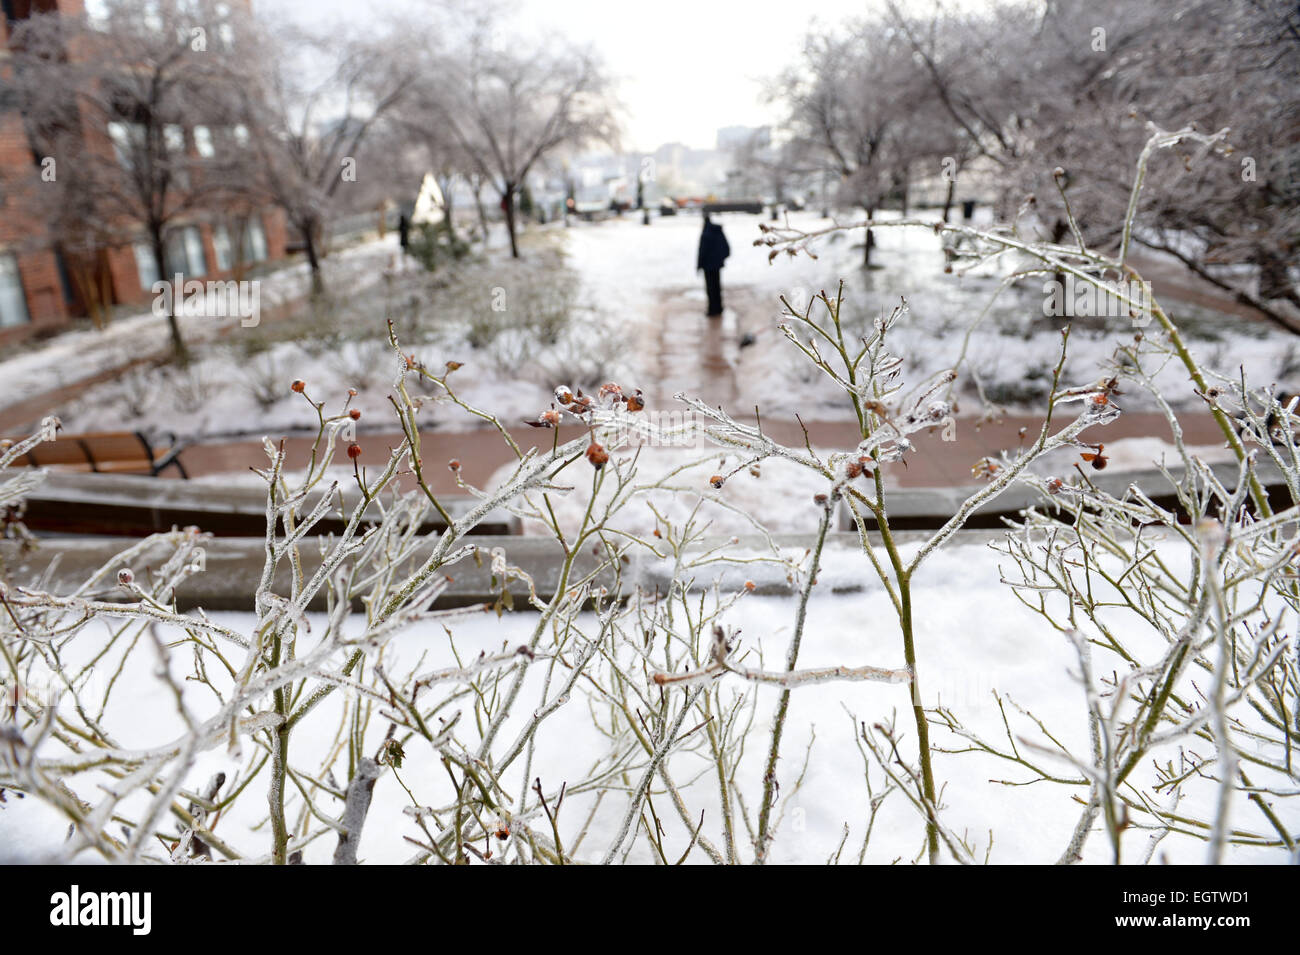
<point x="22" y="235"/>
<point x="277" y="232"/>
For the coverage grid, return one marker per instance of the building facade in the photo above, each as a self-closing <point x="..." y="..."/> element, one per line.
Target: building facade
<point x="48" y="278"/>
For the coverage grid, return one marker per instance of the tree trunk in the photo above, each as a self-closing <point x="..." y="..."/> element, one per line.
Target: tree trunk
<point x="179" y="351"/>
<point x="868" y="242"/>
<point x="482" y="213"/>
<point x="948" y="197"/>
<point x="446" y="218"/>
<point x="309" y="234"/>
<point x="508" y="202"/>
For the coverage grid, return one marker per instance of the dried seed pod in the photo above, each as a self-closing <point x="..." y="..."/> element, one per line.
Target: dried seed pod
<point x="547" y="419"/>
<point x="716" y="480"/>
<point x="1096" y="458"/>
<point x="597" y="455"/>
<point x="126" y="577"/>
<point x="298" y="386"/>
<point x="635" y="402"/>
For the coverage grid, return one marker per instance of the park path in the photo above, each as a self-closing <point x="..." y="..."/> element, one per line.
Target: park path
<point x="686" y="352"/>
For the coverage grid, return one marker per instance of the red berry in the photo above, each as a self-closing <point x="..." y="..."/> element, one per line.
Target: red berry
<point x="354" y="451"/>
<point x="298" y="386"/>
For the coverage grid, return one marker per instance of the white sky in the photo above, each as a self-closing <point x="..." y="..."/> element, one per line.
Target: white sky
<point x="686" y="67"/>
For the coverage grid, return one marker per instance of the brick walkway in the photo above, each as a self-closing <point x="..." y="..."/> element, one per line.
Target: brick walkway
<point x="936" y="463"/>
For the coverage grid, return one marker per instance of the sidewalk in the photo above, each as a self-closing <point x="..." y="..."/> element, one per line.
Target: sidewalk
<point x="935" y="463"/>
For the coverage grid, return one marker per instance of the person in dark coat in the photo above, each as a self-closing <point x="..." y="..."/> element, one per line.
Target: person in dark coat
<point x="713" y="253"/>
<point x="404" y="232"/>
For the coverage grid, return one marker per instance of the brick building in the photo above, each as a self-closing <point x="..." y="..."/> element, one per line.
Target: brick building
<point x="44" y="284"/>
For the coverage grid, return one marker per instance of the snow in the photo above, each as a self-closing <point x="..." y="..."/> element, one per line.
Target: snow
<point x="636" y="316"/>
<point x="972" y="637"/>
<point x="79" y="355"/>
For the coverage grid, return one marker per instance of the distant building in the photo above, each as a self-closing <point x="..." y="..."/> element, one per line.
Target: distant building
<point x="42" y="285"/>
<point x="731" y="138"/>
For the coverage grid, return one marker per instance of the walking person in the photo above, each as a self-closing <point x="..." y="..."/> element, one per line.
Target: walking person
<point x="713" y="253"/>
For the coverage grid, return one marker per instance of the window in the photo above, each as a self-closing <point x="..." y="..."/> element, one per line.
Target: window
<point x="97" y="14"/>
<point x="174" y="137"/>
<point x="128" y="140"/>
<point x="13" y="303"/>
<point x="223" y="249"/>
<point x="185" y="252"/>
<point x="145" y="266"/>
<point x="203" y="142"/>
<point x="254" y="241"/>
<point x="195" y="255"/>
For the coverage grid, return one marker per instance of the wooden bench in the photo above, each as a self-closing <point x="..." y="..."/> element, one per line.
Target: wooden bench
<point x="107" y="452"/>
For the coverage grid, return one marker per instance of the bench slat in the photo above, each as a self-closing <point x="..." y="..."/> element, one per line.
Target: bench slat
<point x="114" y="452"/>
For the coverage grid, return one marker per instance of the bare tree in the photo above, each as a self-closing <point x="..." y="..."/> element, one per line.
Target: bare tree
<point x="1072" y="87"/>
<point x="111" y="101"/>
<point x="852" y="103"/>
<point x="309" y="108"/>
<point x="507" y="104"/>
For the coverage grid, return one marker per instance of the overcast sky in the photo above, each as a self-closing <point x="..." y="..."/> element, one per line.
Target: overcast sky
<point x="686" y="67"/>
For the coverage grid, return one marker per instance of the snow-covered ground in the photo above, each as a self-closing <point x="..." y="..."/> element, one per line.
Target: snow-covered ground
<point x="634" y="312"/>
<point x="973" y="637"/>
<point x="624" y="265"/>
